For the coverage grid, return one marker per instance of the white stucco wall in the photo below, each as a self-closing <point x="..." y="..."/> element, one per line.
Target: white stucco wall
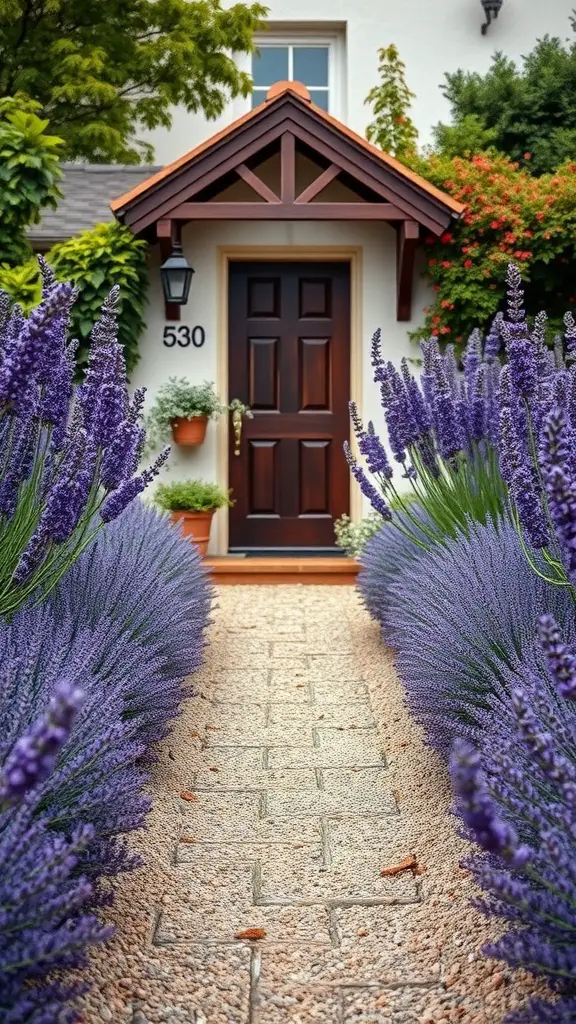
<point x="201" y="244"/>
<point x="433" y="37"/>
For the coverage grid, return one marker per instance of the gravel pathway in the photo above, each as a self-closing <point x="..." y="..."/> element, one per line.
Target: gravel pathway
<point x="292" y="788"/>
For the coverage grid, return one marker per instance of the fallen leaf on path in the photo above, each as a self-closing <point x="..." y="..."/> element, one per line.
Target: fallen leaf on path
<point x="187" y="839"/>
<point x="420" y="870"/>
<point x="362" y="932"/>
<point x="185" y="795"/>
<point x="408" y="864"/>
<point x="195" y="734"/>
<point x="251" y="933"/>
<point x="213" y="769"/>
<point x="213" y="728"/>
<point x="397" y="794"/>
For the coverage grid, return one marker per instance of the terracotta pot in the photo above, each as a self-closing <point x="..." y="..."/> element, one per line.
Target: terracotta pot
<point x="189" y="432"/>
<point x="195" y="525"/>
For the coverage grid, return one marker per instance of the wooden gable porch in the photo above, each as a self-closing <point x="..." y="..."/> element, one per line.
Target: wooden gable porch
<point x="287" y="160"/>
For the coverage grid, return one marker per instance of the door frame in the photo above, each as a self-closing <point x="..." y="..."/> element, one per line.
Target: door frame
<point x="227" y="254"/>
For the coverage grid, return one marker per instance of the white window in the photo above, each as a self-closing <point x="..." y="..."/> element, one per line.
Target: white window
<point x="315" y="61"/>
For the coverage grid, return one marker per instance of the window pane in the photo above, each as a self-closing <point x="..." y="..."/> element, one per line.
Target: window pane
<point x="258" y="97"/>
<point x="270" y="65"/>
<point x="319" y="97"/>
<point x="311" y="65"/>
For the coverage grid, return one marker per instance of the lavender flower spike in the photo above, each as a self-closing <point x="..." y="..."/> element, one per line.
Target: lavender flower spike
<point x="479" y="811"/>
<point x="559" y="656"/>
<point x="33" y="756"/>
<point x="368" y="490"/>
<point x="559" y="483"/>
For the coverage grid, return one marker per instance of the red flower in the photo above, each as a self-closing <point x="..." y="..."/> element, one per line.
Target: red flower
<point x="445" y="303"/>
<point x="446" y="237"/>
<point x="446" y="264"/>
<point x="495" y="224"/>
<point x="445" y="330"/>
<point x="468" y="264"/>
<point x="431" y="263"/>
<point x="436" y="287"/>
<point x="527" y="156"/>
<point x="540" y="216"/>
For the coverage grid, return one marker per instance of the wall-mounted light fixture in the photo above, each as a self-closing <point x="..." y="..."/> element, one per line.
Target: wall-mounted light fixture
<point x="491" y="8"/>
<point x="176" y="274"/>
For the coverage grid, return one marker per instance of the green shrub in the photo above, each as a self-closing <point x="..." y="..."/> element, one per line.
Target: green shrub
<point x="106" y="255"/>
<point x="191" y="496"/>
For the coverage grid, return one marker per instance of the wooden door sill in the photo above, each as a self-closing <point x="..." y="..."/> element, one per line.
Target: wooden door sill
<point x="231" y="569"/>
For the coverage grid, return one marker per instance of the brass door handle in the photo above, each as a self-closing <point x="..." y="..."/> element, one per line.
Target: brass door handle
<point x="237" y="423"/>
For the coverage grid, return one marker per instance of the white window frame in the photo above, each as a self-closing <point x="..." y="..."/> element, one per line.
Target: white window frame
<point x="336" y="44"/>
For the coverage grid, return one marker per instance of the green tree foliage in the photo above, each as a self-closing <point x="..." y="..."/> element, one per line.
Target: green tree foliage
<point x="29" y="174"/>
<point x="104" y="70"/>
<point x="392" y="129"/>
<point x="527" y="112"/>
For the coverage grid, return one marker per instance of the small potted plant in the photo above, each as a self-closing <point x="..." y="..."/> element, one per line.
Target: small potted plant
<point x="192" y="503"/>
<point x="182" y="409"/>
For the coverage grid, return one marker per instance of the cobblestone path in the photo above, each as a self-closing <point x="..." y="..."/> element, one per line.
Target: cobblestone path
<point x="293" y="781"/>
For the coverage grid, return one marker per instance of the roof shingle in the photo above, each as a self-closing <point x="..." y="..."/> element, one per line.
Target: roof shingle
<point x="88" y="190"/>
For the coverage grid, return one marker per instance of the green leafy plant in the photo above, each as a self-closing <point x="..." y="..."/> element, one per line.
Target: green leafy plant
<point x="392" y="128"/>
<point x="179" y="399"/>
<point x="22" y="283"/>
<point x="104" y="72"/>
<point x="191" y="496"/>
<point x="353" y="537"/>
<point x="108" y="253"/>
<point x="29" y="173"/>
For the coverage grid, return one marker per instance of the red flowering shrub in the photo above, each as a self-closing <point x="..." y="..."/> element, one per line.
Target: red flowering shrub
<point x="510" y="215"/>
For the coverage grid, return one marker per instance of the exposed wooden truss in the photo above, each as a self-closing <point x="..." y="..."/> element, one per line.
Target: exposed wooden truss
<point x="382" y="193"/>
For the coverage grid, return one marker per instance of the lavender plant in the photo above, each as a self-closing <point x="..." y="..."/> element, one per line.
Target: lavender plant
<point x="459" y="617"/>
<point x="537" y="435"/>
<point x="67" y="454"/>
<point x="515" y="795"/>
<point x="125" y="625"/>
<point x="38" y="871"/>
<point x="442" y="432"/>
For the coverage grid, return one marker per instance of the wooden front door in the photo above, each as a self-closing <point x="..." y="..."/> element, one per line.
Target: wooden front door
<point x="289" y="360"/>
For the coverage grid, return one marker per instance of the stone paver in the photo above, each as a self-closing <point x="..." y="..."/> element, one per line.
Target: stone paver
<point x="293" y="778"/>
<point x="289" y="829"/>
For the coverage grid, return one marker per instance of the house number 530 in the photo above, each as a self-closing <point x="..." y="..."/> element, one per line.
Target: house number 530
<point x="184" y="336"/>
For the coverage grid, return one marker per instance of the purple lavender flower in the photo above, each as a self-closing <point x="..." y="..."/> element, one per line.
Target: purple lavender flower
<point x="123" y="454"/>
<point x="570" y="336"/>
<point x="521" y="350"/>
<point x="559" y="483"/>
<point x="519" y="473"/>
<point x="368" y="490"/>
<point x="446" y="422"/>
<point x="560" y="656"/>
<point x="472" y="358"/>
<point x="34" y="755"/>
<point x="478" y="809"/>
<point x="119" y="499"/>
<point x="37" y="345"/>
<point x="492" y="343"/>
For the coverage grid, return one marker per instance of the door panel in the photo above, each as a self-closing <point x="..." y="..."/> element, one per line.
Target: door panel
<point x="289" y="359"/>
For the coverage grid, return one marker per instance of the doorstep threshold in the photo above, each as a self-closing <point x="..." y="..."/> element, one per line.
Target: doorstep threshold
<point x="264" y="570"/>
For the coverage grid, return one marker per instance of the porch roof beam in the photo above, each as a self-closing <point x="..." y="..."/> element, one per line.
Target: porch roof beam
<point x="287" y="211"/>
<point x="407" y="242"/>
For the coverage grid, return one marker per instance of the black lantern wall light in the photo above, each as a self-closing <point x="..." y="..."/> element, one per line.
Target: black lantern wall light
<point x="176" y="274"/>
<point x="491" y="8"/>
